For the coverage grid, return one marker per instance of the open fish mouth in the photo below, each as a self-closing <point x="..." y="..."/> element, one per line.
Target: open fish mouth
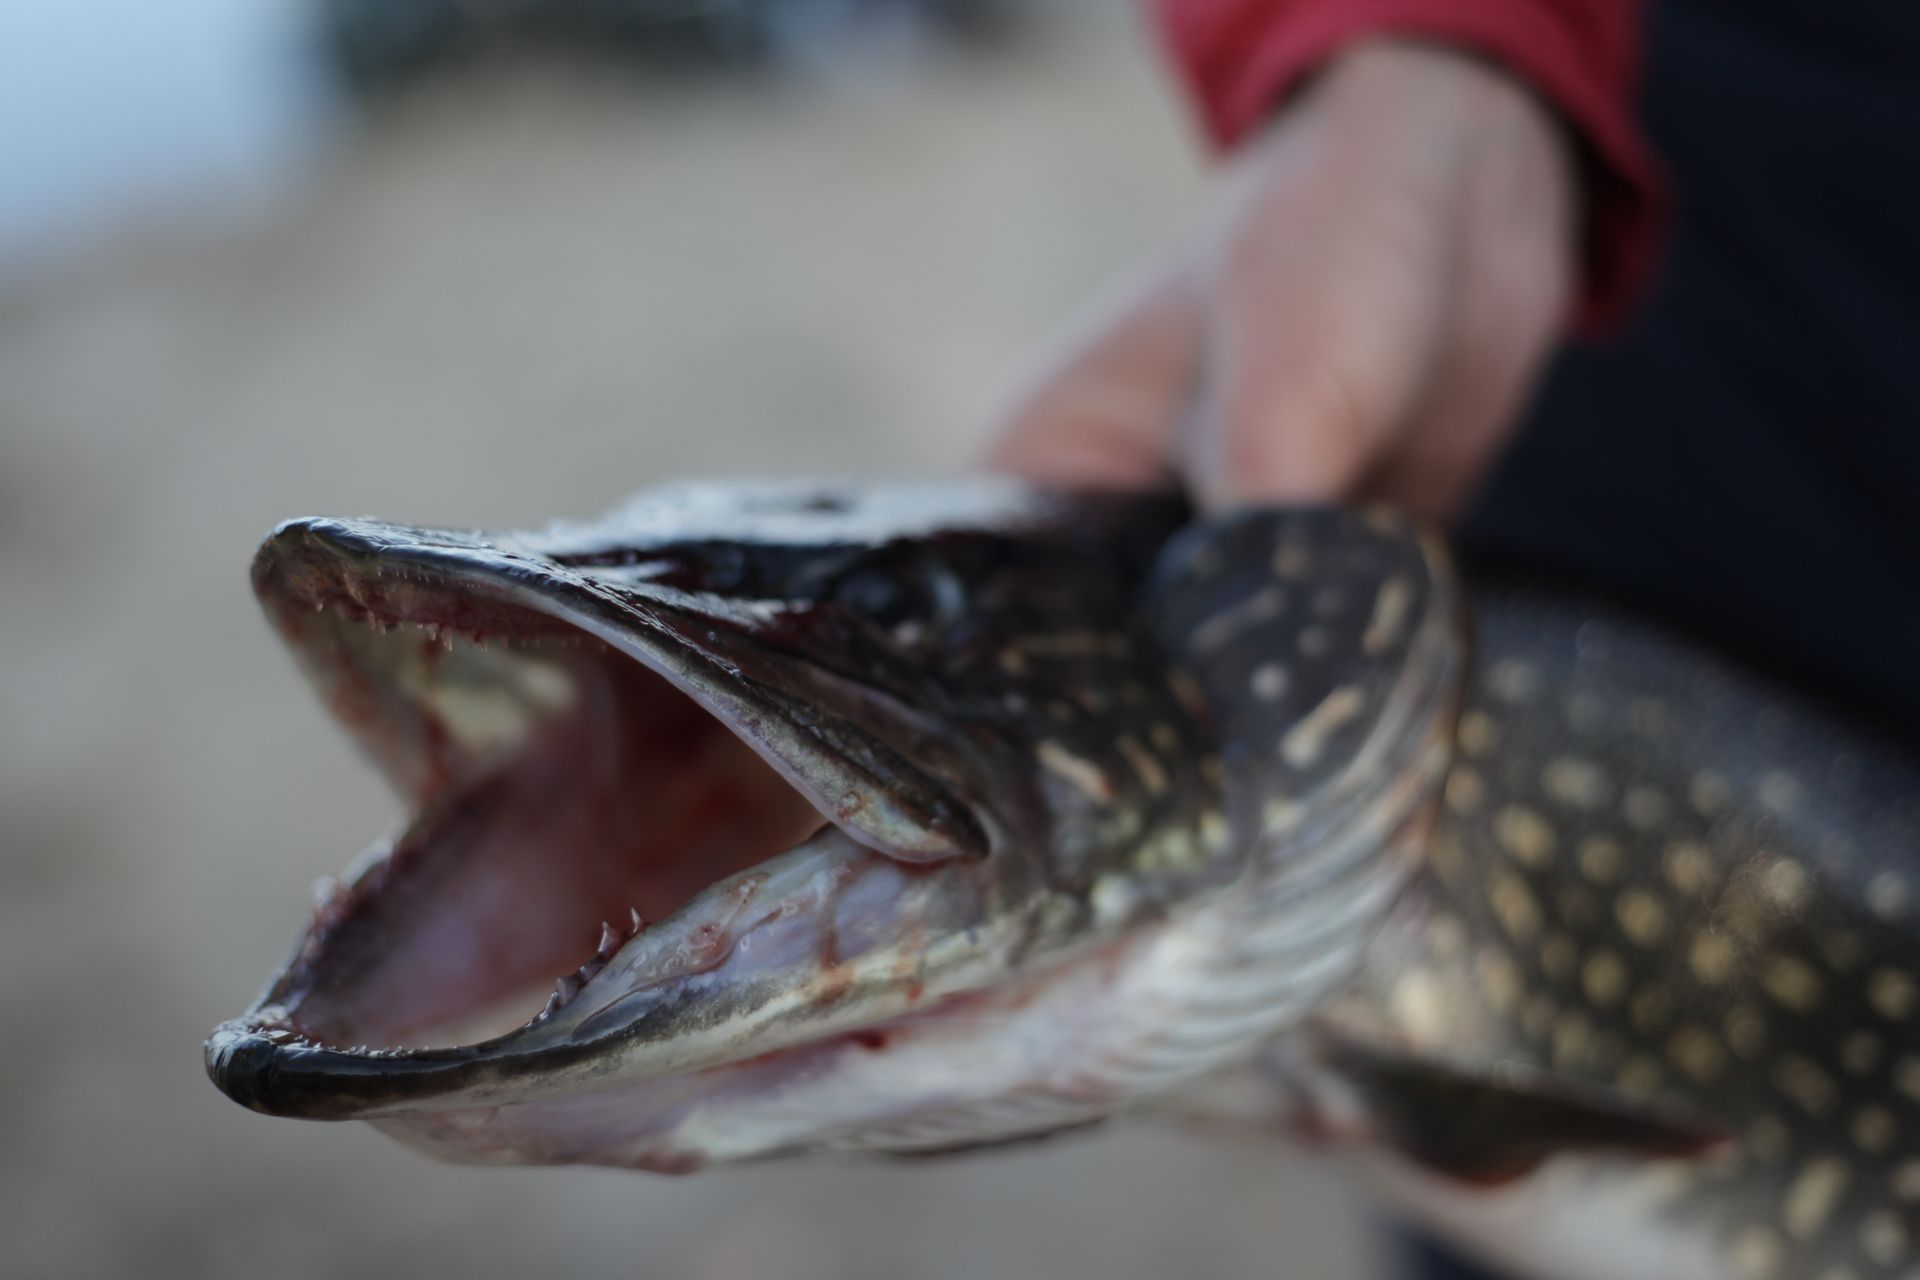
<point x="629" y="856"/>
<point x="763" y="818"/>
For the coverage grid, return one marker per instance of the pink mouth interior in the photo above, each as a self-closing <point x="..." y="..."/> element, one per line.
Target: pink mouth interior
<point x="628" y="799"/>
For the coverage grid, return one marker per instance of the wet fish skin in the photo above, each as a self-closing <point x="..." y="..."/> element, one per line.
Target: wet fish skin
<point x="1663" y="902"/>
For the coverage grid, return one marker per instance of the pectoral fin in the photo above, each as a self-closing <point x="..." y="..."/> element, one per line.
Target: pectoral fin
<point x="1488" y="1123"/>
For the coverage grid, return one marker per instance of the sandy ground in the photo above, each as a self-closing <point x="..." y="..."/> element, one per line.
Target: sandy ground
<point x="497" y="307"/>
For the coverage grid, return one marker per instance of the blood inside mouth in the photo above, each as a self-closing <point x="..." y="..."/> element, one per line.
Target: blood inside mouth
<point x="565" y="795"/>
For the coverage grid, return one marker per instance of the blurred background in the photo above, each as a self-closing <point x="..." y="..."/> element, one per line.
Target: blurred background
<point x="488" y="262"/>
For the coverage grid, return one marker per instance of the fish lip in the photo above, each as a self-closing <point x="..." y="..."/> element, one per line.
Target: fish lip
<point x="265" y="1066"/>
<point x="263" y="1070"/>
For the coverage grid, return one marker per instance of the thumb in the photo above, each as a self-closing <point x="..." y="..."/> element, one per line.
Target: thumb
<point x="1104" y="412"/>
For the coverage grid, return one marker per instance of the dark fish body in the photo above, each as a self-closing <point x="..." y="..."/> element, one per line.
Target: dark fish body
<point x="955" y="814"/>
<point x="1662" y="877"/>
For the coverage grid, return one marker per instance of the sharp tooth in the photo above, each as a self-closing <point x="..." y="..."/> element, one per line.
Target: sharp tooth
<point x="635" y="913"/>
<point x="608" y="941"/>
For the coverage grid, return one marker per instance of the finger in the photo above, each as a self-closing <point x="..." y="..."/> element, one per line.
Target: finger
<point x="1474" y="403"/>
<point x="1104" y="413"/>
<point x="1516" y="293"/>
<point x="1324" y="335"/>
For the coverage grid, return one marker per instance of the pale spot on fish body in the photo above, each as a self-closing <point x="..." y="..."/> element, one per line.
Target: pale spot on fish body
<point x="1887" y="895"/>
<point x="1803" y="1081"/>
<point x="1513" y="681"/>
<point x="1792" y="982"/>
<point x="1906" y="1181"/>
<point x="1906" y="1077"/>
<point x="1604" y="978"/>
<point x="1269" y="681"/>
<point x="1499" y="979"/>
<point x="1576" y="783"/>
<point x="1785" y="883"/>
<point x="1892" y="994"/>
<point x="1689" y="868"/>
<point x="1812" y="1197"/>
<point x="1639" y="1075"/>
<point x="1600" y="859"/>
<point x="1478" y="733"/>
<point x="1390" y="606"/>
<point x="1418" y="1005"/>
<point x="1084" y="775"/>
<point x="1884" y="1238"/>
<point x="1513" y="905"/>
<point x="1216" y="631"/>
<point x="1526" y="835"/>
<point x="1306" y="741"/>
<point x="1571" y="1034"/>
<point x="1695" y="1053"/>
<point x="1756" y="1251"/>
<point x="1464" y="791"/>
<point x="1712" y="958"/>
<point x="1152" y="776"/>
<point x="1281" y="815"/>
<point x="1642" y="917"/>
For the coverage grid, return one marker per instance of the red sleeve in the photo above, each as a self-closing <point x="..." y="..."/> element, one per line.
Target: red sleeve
<point x="1240" y="57"/>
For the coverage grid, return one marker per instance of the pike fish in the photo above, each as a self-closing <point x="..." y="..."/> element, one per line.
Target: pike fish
<point x="910" y="818"/>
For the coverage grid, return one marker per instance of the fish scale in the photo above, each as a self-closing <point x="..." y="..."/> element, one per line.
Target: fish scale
<point x="1576" y="940"/>
<point x="1658" y="875"/>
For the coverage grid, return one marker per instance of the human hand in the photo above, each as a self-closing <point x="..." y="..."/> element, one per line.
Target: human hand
<point x="1362" y="311"/>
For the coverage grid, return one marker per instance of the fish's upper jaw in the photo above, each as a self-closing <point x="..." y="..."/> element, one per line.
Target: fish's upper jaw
<point x="432" y="645"/>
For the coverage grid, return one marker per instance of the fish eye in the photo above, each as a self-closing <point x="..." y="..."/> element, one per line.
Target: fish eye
<point x="913" y="594"/>
<point x="884" y="598"/>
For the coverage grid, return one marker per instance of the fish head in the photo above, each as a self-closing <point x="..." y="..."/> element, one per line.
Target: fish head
<point x="780" y="779"/>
